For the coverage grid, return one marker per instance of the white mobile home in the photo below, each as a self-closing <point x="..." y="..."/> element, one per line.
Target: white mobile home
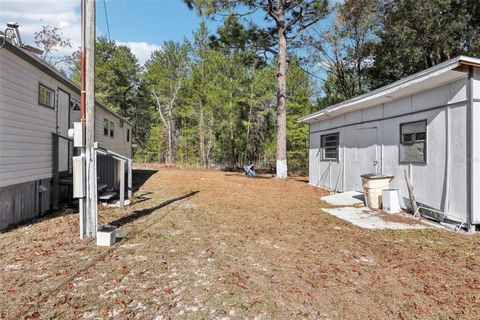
<point x="428" y="123"/>
<point x="37" y="107"/>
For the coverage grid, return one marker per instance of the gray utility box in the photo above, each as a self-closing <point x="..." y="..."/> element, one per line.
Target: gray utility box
<point x="78" y="165"/>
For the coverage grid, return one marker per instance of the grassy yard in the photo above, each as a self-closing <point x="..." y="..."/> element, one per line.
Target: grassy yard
<point x="237" y="248"/>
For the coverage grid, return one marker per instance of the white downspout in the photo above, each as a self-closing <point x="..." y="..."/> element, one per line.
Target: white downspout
<point x="343" y="171"/>
<point x="470" y="155"/>
<point x="446" y="201"/>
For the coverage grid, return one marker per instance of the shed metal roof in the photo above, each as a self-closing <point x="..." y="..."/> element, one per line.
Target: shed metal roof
<point x="433" y="77"/>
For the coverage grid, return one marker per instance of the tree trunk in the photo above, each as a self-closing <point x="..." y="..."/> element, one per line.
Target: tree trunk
<point x="169" y="148"/>
<point x="248" y="147"/>
<point x="233" y="158"/>
<point x="281" y="100"/>
<point x="201" y="132"/>
<point x="210" y="143"/>
<point x="232" y="144"/>
<point x="169" y="128"/>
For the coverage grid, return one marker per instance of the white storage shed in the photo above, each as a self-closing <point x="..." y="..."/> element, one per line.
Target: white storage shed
<point x="428" y="123"/>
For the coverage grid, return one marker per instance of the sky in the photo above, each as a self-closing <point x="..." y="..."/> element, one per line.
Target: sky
<point x="142" y="25"/>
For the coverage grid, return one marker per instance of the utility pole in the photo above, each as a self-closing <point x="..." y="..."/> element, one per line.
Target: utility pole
<point x="90" y="154"/>
<point x="85" y="171"/>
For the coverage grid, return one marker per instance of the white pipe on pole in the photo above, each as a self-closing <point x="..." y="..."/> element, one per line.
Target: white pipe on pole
<point x="129" y="183"/>
<point x="122" y="184"/>
<point x="82" y="201"/>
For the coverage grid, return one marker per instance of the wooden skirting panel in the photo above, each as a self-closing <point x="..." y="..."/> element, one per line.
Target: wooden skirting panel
<point x="23" y="202"/>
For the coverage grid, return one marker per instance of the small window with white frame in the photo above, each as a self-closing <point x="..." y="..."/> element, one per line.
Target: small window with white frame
<point x="112" y="129"/>
<point x="46" y="96"/>
<point x="413" y="142"/>
<point x="105" y="126"/>
<point x="329" y="145"/>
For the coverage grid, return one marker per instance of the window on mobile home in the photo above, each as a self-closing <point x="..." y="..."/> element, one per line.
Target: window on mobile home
<point x="413" y="142"/>
<point x="105" y="127"/>
<point x="75" y="105"/>
<point x="329" y="144"/>
<point x="46" y="96"/>
<point x="128" y="135"/>
<point x="112" y="129"/>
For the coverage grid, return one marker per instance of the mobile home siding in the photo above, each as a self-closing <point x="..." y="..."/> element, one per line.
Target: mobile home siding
<point x="25" y="126"/>
<point x="119" y="142"/>
<point x="108" y="168"/>
<point x="439" y="183"/>
<point x="26" y="136"/>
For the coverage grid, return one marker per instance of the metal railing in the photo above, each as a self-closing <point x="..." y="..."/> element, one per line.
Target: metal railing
<point x="122" y="160"/>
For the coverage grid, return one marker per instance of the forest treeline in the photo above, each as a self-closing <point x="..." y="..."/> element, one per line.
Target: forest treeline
<point x="212" y="101"/>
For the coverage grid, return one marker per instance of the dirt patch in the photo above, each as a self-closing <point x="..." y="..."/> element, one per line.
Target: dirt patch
<point x="237" y="248"/>
<point x="399" y="217"/>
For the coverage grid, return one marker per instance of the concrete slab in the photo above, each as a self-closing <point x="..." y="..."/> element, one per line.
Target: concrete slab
<point x="349" y="198"/>
<point x="365" y="218"/>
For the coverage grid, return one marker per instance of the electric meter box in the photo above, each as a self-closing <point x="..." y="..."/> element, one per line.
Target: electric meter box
<point x="78" y="165"/>
<point x="78" y="134"/>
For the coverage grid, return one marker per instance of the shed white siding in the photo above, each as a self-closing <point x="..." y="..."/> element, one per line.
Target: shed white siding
<point x="476" y="145"/>
<point x="374" y="133"/>
<point x="476" y="83"/>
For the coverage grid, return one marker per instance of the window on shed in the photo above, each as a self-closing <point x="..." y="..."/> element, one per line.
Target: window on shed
<point x="413" y="142"/>
<point x="329" y="144"/>
<point x="46" y="96"/>
<point x="105" y="127"/>
<point x="112" y="129"/>
<point x="128" y="135"/>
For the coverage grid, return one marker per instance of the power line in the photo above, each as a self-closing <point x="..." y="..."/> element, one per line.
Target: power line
<point x="106" y="19"/>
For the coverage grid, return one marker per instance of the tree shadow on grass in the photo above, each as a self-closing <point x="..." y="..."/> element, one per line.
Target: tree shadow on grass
<point x="145" y="212"/>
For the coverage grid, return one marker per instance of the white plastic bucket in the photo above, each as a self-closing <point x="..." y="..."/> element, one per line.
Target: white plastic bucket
<point x="373" y="185"/>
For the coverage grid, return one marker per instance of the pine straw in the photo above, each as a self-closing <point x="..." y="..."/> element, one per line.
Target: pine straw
<point x="239" y="248"/>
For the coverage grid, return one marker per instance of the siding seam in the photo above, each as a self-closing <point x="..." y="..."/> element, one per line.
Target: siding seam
<point x="452" y="105"/>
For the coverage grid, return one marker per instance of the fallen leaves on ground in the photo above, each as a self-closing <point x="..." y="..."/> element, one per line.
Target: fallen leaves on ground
<point x="239" y="248"/>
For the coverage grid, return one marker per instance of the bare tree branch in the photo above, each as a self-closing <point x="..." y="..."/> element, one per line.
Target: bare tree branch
<point x="159" y="107"/>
